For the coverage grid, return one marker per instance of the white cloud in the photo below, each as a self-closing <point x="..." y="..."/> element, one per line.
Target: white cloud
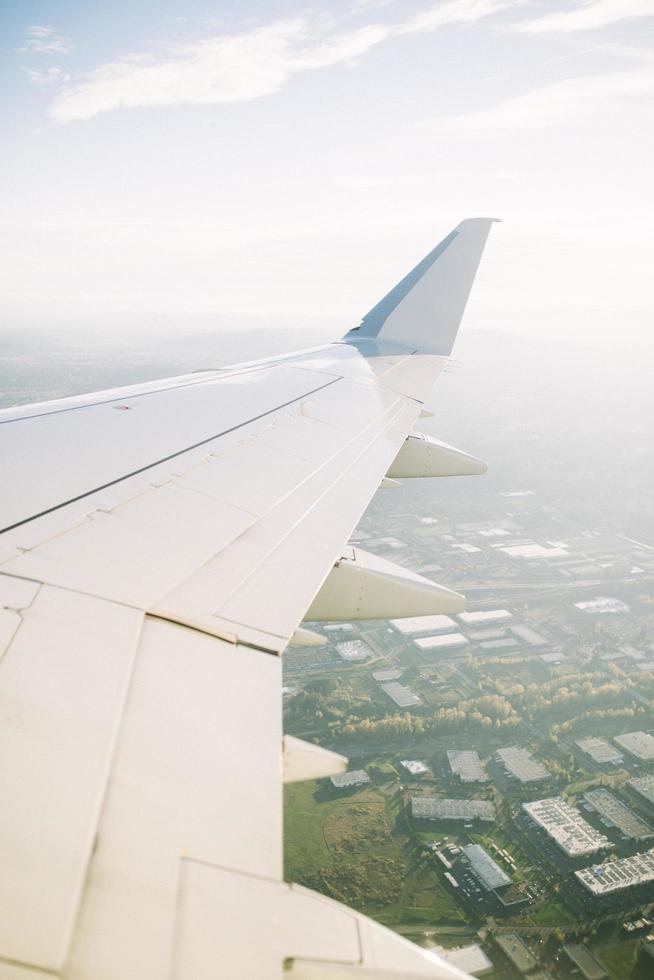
<point x="589" y="15"/>
<point x="49" y="76"/>
<point x="560" y="103"/>
<point x="41" y="39"/>
<point x="238" y="67"/>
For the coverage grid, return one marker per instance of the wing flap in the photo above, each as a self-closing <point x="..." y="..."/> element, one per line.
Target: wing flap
<point x="63" y="680"/>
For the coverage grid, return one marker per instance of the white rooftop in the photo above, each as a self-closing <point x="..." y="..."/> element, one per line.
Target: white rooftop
<point x="466" y="764"/>
<point x="428" y="808"/>
<point x="470" y="959"/>
<point x="521" y="764"/>
<point x="644" y="785"/>
<point x="441" y="642"/>
<point x="403" y="696"/>
<point x="565" y="825"/>
<point x="415" y="766"/>
<point x="484" y="616"/>
<point x="485" y="868"/>
<point x="386" y="675"/>
<point x="638" y="744"/>
<point x="616" y="814"/>
<point x="603" y="605"/>
<point x="534" y="551"/>
<point x="423" y="624"/>
<point x="599" y="750"/>
<point x="356" y="777"/>
<point x="353" y="650"/>
<point x="602" y="879"/>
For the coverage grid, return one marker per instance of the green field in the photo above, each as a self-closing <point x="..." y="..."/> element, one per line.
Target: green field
<point x="619" y="958"/>
<point x="356" y="849"/>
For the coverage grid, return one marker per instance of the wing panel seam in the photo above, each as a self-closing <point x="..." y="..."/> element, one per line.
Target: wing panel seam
<point x="165" y="459"/>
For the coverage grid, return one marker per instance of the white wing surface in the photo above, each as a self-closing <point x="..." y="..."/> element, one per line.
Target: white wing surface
<point x="160" y="545"/>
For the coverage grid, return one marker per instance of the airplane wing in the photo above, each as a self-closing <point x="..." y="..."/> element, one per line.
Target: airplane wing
<point x="160" y="546"/>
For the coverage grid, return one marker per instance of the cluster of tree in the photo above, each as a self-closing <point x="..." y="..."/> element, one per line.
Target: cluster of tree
<point x="487" y="711"/>
<point x="566" y="696"/>
<point x="580" y="721"/>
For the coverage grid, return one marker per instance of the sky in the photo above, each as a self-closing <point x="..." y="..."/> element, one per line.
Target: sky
<point x="285" y="160"/>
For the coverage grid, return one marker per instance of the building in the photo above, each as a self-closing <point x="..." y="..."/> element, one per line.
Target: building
<point x="403" y="696"/>
<point x="616" y="814"/>
<point x="414" y="766"/>
<point x="565" y="826"/>
<point x="644" y="786"/>
<point x="470" y="959"/>
<point x="529" y="635"/>
<point x="517" y="952"/>
<point x="602" y="606"/>
<point x="386" y="675"/>
<point x="599" y="750"/>
<point x="521" y="764"/>
<point x="423" y="624"/>
<point x="613" y="876"/>
<point x="429" y="808"/>
<point x="353" y="651"/>
<point x="638" y="744"/>
<point x="466" y="764"/>
<point x="508" y="643"/>
<point x="344" y="780"/>
<point x="534" y="551"/>
<point x="485" y="868"/>
<point x="581" y="959"/>
<point x="445" y="641"/>
<point x="484" y="616"/>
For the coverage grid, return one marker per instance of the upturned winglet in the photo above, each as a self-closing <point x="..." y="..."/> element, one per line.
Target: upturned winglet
<point x="424" y="310"/>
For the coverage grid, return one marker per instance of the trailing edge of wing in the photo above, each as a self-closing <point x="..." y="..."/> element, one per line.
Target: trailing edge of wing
<point x="424" y="310"/>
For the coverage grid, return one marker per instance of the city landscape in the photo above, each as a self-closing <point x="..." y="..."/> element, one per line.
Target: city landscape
<point x="502" y="802"/>
<point x="500" y="794"/>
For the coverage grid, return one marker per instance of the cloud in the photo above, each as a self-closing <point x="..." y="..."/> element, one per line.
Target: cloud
<point x="590" y="15"/>
<point x="41" y="39"/>
<point x="47" y="77"/>
<point x="238" y="67"/>
<point x="556" y="104"/>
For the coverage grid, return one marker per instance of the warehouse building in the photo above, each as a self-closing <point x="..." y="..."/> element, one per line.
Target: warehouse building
<point x="353" y="651"/>
<point x="640" y="745"/>
<point x="599" y="750"/>
<point x="344" y="780"/>
<point x="484" y="616"/>
<point x="414" y="766"/>
<point x="565" y="826"/>
<point x="466" y="764"/>
<point x="617" y="815"/>
<point x="470" y="959"/>
<point x="529" y="635"/>
<point x="423" y="624"/>
<point x="444" y="642"/>
<point x="485" y="868"/>
<point x="644" y="786"/>
<point x="403" y="696"/>
<point x="429" y="808"/>
<point x="517" y="952"/>
<point x="613" y="876"/>
<point x="521" y="764"/>
<point x="583" y="961"/>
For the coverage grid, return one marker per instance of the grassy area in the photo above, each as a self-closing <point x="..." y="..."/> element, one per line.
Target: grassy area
<point x="619" y="958"/>
<point x="550" y="913"/>
<point x="305" y="848"/>
<point x="356" y="849"/>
